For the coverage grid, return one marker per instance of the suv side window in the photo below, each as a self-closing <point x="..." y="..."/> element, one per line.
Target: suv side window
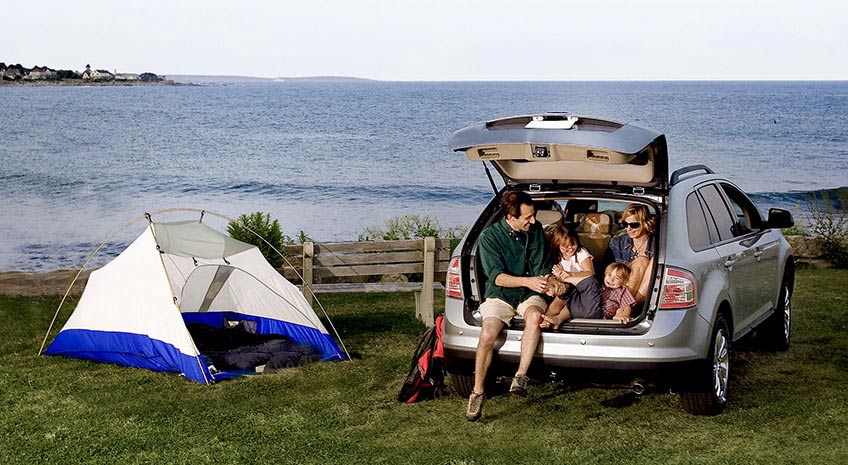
<point x="718" y="211"/>
<point x="747" y="218"/>
<point x="700" y="235"/>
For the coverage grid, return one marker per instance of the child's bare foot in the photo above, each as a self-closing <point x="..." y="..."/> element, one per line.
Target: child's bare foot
<point x="551" y="322"/>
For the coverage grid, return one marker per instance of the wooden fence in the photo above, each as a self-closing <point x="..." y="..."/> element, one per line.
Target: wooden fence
<point x="384" y="266"/>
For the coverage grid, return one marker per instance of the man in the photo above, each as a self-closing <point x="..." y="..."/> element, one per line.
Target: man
<point x="515" y="261"/>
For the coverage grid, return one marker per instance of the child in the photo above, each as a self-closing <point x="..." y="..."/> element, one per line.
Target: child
<point x="573" y="258"/>
<point x="618" y="301"/>
<point x="582" y="299"/>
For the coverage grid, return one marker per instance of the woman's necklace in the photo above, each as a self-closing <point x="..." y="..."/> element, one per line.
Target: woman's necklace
<point x="639" y="250"/>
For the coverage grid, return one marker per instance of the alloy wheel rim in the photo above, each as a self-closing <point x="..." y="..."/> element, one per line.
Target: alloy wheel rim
<point x="787" y="314"/>
<point x="721" y="365"/>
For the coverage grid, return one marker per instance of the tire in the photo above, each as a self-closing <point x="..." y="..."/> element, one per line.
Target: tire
<point x="707" y="395"/>
<point x="462" y="384"/>
<point x="777" y="330"/>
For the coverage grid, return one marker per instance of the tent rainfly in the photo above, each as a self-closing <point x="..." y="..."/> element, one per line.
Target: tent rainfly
<point x="134" y="310"/>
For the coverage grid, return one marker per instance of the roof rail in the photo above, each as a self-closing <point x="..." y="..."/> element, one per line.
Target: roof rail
<point x="675" y="177"/>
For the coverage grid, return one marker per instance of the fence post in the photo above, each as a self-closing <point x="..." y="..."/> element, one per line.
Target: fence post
<point x="308" y="253"/>
<point x="429" y="275"/>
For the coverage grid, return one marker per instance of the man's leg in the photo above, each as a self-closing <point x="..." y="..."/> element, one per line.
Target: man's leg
<point x="529" y="339"/>
<point x="489" y="332"/>
<point x="485" y="348"/>
<point x="532" y="310"/>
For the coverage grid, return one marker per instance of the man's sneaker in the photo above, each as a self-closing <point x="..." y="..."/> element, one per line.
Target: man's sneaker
<point x="519" y="385"/>
<point x="475" y="406"/>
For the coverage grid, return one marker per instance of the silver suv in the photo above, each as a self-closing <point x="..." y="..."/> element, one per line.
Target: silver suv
<point x="720" y="270"/>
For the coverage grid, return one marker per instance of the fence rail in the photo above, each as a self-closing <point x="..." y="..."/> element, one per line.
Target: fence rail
<point x="346" y="262"/>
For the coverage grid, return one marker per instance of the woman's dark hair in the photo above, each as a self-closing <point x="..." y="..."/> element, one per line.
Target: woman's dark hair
<point x="511" y="202"/>
<point x="556" y="235"/>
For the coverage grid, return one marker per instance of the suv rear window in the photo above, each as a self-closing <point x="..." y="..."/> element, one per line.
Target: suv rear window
<point x="700" y="235"/>
<point x="718" y="211"/>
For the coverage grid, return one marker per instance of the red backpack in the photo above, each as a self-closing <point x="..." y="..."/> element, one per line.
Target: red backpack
<point x="426" y="379"/>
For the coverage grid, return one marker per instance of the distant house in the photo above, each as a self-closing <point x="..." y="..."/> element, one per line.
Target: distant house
<point x="149" y="77"/>
<point x="102" y="75"/>
<point x="96" y="74"/>
<point x="126" y="77"/>
<point x="40" y="73"/>
<point x="13" y="72"/>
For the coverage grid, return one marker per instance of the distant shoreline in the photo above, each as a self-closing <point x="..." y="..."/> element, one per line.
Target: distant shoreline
<point x="87" y="83"/>
<point x="178" y="80"/>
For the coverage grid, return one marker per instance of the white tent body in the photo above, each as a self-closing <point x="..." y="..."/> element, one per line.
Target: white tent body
<point x="134" y="310"/>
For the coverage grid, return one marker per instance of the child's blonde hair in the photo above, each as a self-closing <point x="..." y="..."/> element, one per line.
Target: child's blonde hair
<point x="619" y="270"/>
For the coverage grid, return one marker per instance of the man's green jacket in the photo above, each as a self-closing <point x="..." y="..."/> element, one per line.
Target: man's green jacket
<point x="503" y="251"/>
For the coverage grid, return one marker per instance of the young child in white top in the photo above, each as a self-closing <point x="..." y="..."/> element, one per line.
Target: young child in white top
<point x="575" y="265"/>
<point x="573" y="258"/>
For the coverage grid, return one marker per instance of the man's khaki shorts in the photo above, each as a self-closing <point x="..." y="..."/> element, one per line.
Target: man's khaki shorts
<point x="497" y="308"/>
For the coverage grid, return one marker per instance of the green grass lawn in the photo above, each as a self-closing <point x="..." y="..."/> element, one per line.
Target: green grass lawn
<point x="787" y="407"/>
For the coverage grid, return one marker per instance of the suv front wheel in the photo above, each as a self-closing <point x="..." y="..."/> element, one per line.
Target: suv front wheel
<point x="777" y="329"/>
<point x="708" y="393"/>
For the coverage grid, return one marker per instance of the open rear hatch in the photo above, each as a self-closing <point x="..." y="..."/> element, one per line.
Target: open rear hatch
<point x="559" y="148"/>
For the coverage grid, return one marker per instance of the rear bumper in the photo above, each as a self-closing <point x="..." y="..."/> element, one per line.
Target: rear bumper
<point x="674" y="337"/>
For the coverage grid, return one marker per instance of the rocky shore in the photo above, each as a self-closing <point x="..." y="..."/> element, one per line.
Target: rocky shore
<point x="83" y="82"/>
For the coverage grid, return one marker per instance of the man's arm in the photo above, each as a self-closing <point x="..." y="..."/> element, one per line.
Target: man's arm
<point x="494" y="266"/>
<point x="534" y="283"/>
<point x="490" y="258"/>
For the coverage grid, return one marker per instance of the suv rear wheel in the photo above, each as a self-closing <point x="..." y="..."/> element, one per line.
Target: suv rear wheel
<point x="708" y="393"/>
<point x="462" y="384"/>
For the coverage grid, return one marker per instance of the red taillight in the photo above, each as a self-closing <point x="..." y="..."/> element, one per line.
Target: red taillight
<point x="453" y="286"/>
<point x="678" y="290"/>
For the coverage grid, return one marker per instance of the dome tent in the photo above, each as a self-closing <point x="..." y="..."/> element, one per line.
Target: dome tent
<point x="134" y="310"/>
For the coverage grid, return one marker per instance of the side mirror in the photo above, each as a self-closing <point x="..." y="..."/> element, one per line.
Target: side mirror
<point x="779" y="218"/>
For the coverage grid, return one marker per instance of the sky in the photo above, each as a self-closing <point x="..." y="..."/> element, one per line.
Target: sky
<point x="457" y="40"/>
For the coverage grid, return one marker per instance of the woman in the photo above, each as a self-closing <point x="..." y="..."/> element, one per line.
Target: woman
<point x="636" y="248"/>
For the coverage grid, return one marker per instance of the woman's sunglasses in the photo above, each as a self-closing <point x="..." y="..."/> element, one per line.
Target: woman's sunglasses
<point x="633" y="225"/>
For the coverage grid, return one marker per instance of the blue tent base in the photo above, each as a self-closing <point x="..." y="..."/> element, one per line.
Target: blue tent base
<point x="142" y="351"/>
<point x="133" y="350"/>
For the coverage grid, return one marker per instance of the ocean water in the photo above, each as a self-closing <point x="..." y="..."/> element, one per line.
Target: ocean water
<point x="334" y="158"/>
